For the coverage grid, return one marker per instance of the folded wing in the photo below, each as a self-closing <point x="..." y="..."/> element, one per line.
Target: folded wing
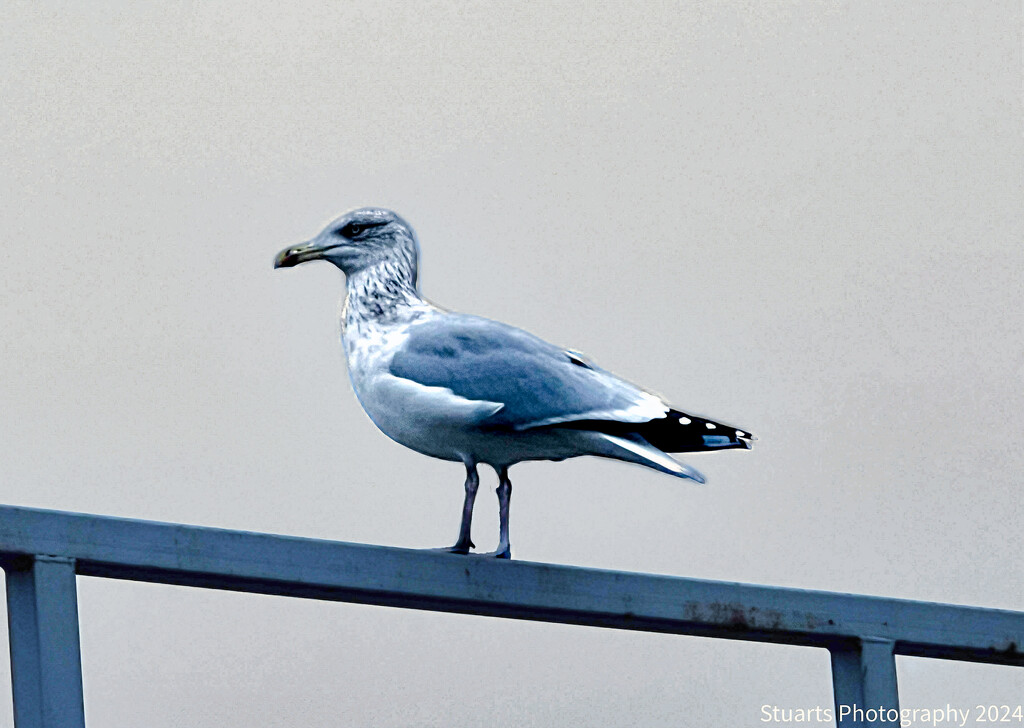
<point x="538" y="384"/>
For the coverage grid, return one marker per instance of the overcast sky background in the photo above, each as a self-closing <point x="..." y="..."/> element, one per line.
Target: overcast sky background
<point x="801" y="218"/>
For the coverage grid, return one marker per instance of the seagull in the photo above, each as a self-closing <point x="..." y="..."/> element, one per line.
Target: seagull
<point x="476" y="391"/>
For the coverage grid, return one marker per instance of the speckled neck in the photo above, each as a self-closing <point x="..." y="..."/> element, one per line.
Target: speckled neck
<point x="382" y="293"/>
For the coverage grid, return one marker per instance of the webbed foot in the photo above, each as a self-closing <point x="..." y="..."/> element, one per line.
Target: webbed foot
<point x="458" y="548"/>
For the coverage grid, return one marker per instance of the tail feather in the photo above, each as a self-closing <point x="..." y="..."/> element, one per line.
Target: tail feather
<point x="635" y="449"/>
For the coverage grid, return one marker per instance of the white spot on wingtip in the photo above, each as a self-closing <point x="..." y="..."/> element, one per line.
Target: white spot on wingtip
<point x="709" y="425"/>
<point x="685" y="420"/>
<point x="740" y="433"/>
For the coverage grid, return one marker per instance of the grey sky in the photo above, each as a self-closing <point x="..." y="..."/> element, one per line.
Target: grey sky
<point x="801" y="218"/>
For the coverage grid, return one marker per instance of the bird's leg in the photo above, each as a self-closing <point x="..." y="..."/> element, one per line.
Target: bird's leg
<point x="464" y="544"/>
<point x="504" y="550"/>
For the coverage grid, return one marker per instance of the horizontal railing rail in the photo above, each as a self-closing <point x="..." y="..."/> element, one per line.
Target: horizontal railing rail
<point x="42" y="552"/>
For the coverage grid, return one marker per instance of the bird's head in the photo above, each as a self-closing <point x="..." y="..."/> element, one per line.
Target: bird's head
<point x="357" y="240"/>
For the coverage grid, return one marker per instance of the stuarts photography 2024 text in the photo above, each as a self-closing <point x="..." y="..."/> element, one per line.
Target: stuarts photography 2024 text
<point x="947" y="715"/>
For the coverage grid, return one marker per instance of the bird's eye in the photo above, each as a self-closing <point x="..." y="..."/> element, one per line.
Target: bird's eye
<point x="355" y="229"/>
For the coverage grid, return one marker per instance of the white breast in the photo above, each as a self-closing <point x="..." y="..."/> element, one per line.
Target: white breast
<point x="431" y="420"/>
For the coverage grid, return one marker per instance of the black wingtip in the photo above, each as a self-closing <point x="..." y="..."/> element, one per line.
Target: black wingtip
<point x="692" y="433"/>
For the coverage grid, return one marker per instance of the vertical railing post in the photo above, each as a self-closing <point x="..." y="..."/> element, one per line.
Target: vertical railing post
<point x="864" y="683"/>
<point x="46" y="657"/>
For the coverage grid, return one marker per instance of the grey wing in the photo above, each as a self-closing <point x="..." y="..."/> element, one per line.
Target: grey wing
<point x="535" y="382"/>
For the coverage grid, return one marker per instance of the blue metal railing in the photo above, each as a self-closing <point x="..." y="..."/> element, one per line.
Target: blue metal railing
<point x="42" y="552"/>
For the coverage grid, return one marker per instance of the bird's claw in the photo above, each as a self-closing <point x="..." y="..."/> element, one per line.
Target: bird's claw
<point x="463" y="549"/>
<point x="457" y="548"/>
